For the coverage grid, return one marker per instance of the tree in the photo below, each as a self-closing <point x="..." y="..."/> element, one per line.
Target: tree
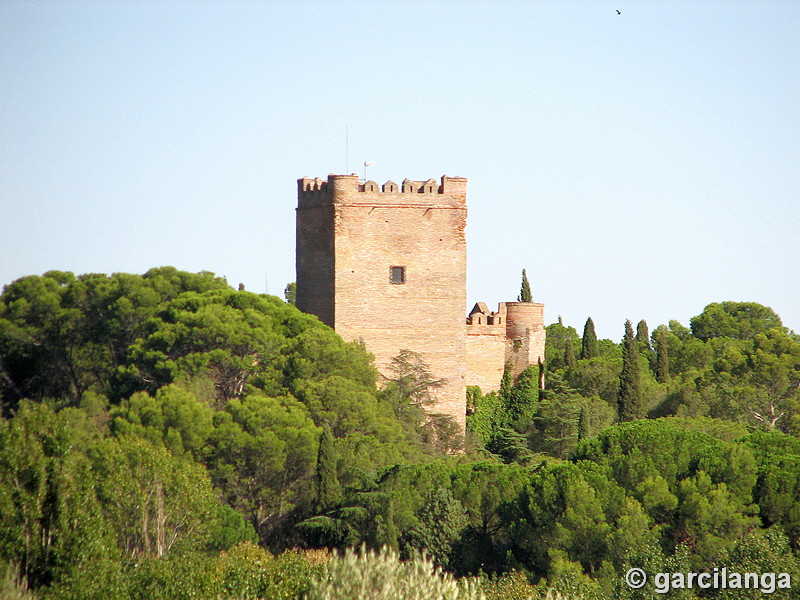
<point x="62" y="335"/>
<point x="525" y="289"/>
<point x="583" y="424"/>
<point x="643" y="336"/>
<point x="263" y="453"/>
<point x="557" y="340"/>
<point x="630" y="401"/>
<point x="290" y="293"/>
<point x="412" y="380"/>
<point x="569" y="353"/>
<point x="329" y="490"/>
<point x="662" y="356"/>
<point x="155" y="499"/>
<point x="506" y="383"/>
<point x="442" y="520"/>
<point x="738" y="320"/>
<point x="410" y="388"/>
<point x="589" y="342"/>
<point x="522" y="398"/>
<point x="51" y="523"/>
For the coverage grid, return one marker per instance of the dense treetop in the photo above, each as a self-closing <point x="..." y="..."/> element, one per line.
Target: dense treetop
<point x="156" y="427"/>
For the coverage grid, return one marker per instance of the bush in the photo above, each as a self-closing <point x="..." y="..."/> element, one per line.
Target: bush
<point x="248" y="571"/>
<point x="368" y="575"/>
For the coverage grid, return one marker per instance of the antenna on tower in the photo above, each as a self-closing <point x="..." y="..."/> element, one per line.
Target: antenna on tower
<point x="367" y="163"/>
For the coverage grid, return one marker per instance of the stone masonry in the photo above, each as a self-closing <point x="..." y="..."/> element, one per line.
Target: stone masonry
<point x="387" y="265"/>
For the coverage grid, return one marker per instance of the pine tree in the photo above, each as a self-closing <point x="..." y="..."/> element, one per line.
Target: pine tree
<point x="329" y="490"/>
<point x="569" y="353"/>
<point x="589" y="342"/>
<point x="662" y="358"/>
<point x="630" y="388"/>
<point x="525" y="289"/>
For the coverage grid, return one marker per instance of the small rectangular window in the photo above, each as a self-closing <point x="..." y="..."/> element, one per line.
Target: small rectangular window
<point x="397" y="274"/>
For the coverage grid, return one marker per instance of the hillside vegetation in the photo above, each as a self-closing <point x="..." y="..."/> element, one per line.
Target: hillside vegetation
<point x="164" y="436"/>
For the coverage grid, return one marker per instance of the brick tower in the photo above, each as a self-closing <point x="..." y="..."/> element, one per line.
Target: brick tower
<point x="387" y="265"/>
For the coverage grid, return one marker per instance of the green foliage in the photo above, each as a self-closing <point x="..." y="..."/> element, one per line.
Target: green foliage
<point x="737" y="320"/>
<point x="762" y="551"/>
<point x="643" y="336"/>
<point x="263" y="453"/>
<point x="156" y="500"/>
<point x="411" y="387"/>
<point x="662" y="356"/>
<point x="589" y="340"/>
<point x="186" y="416"/>
<point x="557" y="339"/>
<point x="569" y="353"/>
<point x="62" y="335"/>
<point x="11" y="587"/>
<point x="522" y="398"/>
<point x="525" y="289"/>
<point x="328" y="488"/>
<point x="778" y="486"/>
<point x="368" y="575"/>
<point x="50" y="518"/>
<point x="442" y="520"/>
<point x="484" y="413"/>
<point x="290" y="293"/>
<point x="178" y="576"/>
<point x="513" y="585"/>
<point x="630" y="401"/>
<point x="247" y="571"/>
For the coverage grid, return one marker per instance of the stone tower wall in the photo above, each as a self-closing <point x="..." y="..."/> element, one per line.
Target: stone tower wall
<point x="526" y="334"/>
<point x="350" y="235"/>
<point x="486" y="351"/>
<point x="514" y="334"/>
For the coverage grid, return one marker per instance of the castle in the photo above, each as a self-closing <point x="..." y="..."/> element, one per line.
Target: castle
<point x="387" y="265"/>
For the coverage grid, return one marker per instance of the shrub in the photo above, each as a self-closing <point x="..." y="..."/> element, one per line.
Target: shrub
<point x="368" y="575"/>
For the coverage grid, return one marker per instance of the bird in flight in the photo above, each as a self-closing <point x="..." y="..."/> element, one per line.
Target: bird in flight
<point x="619" y="13"/>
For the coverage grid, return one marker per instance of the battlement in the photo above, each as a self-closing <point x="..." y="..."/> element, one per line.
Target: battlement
<point x="483" y="321"/>
<point x="512" y="319"/>
<point x="347" y="189"/>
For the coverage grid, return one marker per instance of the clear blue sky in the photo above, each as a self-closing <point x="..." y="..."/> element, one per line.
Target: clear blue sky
<point x="639" y="165"/>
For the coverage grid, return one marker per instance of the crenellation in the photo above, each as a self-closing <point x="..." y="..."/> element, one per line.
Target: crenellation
<point x="369" y="186"/>
<point x="348" y="189"/>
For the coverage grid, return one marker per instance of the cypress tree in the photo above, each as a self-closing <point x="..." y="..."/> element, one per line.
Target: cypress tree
<point x="662" y="358"/>
<point x="643" y="335"/>
<point x="569" y="353"/>
<point x="329" y="490"/>
<point x="523" y="398"/>
<point x="506" y="383"/>
<point x="505" y="415"/>
<point x="583" y="424"/>
<point x="589" y="342"/>
<point x="525" y="289"/>
<point x="630" y="388"/>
